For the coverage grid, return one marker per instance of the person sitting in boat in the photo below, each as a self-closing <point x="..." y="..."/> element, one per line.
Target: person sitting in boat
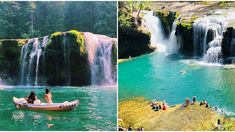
<point x="48" y="96"/>
<point x="32" y="99"/>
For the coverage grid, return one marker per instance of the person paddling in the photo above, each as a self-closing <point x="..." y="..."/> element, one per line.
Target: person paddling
<point x="48" y="96"/>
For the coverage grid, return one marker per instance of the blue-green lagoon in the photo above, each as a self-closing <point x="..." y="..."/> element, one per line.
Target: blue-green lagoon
<point x="96" y="110"/>
<point x="172" y="78"/>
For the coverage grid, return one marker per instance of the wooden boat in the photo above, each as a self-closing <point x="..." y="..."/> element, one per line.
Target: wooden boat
<point x="22" y="104"/>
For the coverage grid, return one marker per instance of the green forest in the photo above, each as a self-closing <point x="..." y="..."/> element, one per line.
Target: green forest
<point x="21" y="19"/>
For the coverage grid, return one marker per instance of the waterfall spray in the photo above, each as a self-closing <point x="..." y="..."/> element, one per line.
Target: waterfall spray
<point x="203" y="46"/>
<point x="99" y="49"/>
<point x="154" y="25"/>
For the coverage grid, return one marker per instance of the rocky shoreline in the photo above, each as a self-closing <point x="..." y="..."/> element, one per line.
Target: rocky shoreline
<point x="136" y="113"/>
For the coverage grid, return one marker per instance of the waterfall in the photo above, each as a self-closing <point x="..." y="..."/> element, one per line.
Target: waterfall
<point x="99" y="49"/>
<point x="34" y="60"/>
<point x="208" y="33"/>
<point x="174" y="46"/>
<point x="23" y="61"/>
<point x="38" y="52"/>
<point x="30" y="60"/>
<point x="32" y="56"/>
<point x="154" y="26"/>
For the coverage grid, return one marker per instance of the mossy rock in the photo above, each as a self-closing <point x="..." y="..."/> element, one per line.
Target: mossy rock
<point x="184" y="33"/>
<point x="228" y="45"/>
<point x="132" y="42"/>
<point x="10" y="59"/>
<point x="167" y="18"/>
<point x="79" y="39"/>
<point x="67" y="51"/>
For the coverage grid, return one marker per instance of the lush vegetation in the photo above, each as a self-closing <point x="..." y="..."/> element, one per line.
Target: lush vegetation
<point x="132" y="41"/>
<point x="21" y="19"/>
<point x="126" y="9"/>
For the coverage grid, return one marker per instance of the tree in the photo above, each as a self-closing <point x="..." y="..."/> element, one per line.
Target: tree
<point x="21" y="19"/>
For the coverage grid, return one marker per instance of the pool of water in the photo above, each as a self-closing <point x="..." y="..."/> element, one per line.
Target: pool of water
<point x="158" y="76"/>
<point x="96" y="111"/>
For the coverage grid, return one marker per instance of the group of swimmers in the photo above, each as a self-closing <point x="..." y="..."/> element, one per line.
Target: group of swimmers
<point x="32" y="98"/>
<point x="156" y="106"/>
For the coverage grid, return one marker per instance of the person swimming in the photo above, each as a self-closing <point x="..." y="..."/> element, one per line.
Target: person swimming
<point x="48" y="96"/>
<point x="182" y="71"/>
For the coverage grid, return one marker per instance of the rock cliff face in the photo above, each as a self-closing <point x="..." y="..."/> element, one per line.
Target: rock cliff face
<point x="184" y="33"/>
<point x="228" y="45"/>
<point x="132" y="42"/>
<point x="10" y="60"/>
<point x="62" y="58"/>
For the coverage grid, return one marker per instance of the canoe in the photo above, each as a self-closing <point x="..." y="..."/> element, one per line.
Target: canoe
<point x="20" y="104"/>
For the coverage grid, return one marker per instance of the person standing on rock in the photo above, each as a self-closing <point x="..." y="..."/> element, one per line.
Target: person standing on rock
<point x="219" y="124"/>
<point x="194" y="99"/>
<point x="187" y="102"/>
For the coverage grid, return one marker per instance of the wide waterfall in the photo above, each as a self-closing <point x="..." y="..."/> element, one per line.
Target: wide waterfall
<point x="154" y="26"/>
<point x="37" y="61"/>
<point x="208" y="33"/>
<point x="100" y="57"/>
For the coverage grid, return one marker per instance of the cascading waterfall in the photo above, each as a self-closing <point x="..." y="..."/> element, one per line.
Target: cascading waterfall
<point x="173" y="39"/>
<point x="154" y="25"/>
<point x="30" y="59"/>
<point x="208" y="33"/>
<point x="99" y="49"/>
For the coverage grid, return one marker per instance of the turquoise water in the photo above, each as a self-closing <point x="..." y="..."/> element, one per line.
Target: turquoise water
<point x="157" y="76"/>
<point x="96" y="111"/>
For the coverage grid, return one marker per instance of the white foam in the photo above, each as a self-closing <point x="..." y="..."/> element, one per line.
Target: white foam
<point x="203" y="63"/>
<point x="224" y="111"/>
